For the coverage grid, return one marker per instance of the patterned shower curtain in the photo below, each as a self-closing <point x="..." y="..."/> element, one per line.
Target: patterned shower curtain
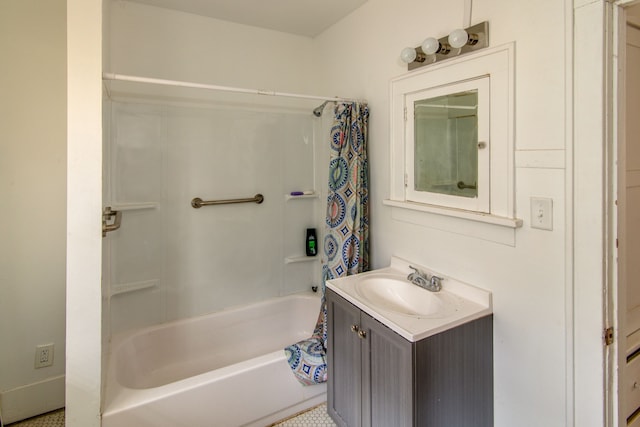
<point x="346" y="239"/>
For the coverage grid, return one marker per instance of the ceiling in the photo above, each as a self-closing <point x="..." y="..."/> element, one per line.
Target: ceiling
<point x="302" y="17"/>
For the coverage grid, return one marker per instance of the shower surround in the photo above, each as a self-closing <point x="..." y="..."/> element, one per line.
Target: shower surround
<point x="214" y="294"/>
<point x="169" y="261"/>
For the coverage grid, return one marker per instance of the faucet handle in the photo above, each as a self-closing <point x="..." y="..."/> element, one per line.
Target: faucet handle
<point x="435" y="281"/>
<point x="416" y="273"/>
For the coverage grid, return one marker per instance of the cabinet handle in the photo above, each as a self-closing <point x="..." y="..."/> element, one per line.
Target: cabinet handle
<point x="362" y="334"/>
<point x="354" y="328"/>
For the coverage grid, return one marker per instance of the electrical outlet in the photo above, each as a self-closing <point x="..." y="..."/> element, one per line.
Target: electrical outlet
<point x="542" y="213"/>
<point x="44" y="355"/>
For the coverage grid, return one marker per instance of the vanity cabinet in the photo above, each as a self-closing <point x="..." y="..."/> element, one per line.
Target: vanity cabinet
<point x="378" y="378"/>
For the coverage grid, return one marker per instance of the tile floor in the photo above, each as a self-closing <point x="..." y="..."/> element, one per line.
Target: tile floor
<point x="315" y="417"/>
<point x="50" y="419"/>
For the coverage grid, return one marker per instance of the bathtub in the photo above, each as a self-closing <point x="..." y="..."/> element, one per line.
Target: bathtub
<point x="220" y="370"/>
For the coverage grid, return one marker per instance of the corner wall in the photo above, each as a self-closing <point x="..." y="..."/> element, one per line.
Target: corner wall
<point x="33" y="204"/>
<point x="532" y="297"/>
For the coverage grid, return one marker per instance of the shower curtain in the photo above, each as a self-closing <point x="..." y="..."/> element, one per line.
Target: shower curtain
<point x="346" y="240"/>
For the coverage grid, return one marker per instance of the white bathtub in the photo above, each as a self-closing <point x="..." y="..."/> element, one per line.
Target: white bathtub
<point x="226" y="369"/>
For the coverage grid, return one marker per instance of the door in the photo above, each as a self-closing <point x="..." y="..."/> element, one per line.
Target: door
<point x="629" y="229"/>
<point x="387" y="380"/>
<point x="370" y="370"/>
<point x="344" y="391"/>
<point x="630" y="185"/>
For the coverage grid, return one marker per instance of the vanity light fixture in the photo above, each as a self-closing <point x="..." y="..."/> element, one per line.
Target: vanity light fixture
<point x="410" y="54"/>
<point x="458" y="42"/>
<point x="459" y="37"/>
<point x="431" y="46"/>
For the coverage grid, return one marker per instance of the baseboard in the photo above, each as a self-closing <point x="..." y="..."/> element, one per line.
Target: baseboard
<point x="32" y="399"/>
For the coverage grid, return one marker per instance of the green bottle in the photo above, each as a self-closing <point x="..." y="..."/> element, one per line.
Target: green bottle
<point x="311" y="242"/>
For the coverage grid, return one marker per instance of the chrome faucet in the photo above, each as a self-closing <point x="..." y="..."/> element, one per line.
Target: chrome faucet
<point x="423" y="280"/>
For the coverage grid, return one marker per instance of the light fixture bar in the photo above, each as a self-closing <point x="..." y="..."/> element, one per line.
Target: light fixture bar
<point x="478" y="39"/>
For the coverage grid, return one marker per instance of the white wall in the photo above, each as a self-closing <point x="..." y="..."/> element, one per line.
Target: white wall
<point x="527" y="279"/>
<point x="33" y="204"/>
<point x="161" y="43"/>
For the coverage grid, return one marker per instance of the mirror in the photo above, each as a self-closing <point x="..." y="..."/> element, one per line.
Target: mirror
<point x="446" y="144"/>
<point x="446" y="163"/>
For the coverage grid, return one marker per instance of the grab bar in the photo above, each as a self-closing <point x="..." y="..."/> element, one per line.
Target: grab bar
<point x="197" y="203"/>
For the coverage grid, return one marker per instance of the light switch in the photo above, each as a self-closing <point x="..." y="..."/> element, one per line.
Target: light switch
<point x="542" y="213"/>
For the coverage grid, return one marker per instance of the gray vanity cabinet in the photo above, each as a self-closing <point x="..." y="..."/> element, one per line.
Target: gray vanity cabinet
<point x="379" y="379"/>
<point x="344" y="362"/>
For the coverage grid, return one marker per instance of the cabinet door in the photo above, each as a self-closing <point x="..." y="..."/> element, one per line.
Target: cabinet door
<point x="344" y="392"/>
<point x="387" y="376"/>
<point x="454" y="376"/>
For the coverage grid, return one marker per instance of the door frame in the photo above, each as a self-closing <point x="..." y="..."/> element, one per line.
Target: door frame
<point x="84" y="214"/>
<point x="615" y="64"/>
<point x="592" y="141"/>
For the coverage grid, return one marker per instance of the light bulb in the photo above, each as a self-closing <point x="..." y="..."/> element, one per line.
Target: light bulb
<point x="430" y="45"/>
<point x="408" y="55"/>
<point x="458" y="38"/>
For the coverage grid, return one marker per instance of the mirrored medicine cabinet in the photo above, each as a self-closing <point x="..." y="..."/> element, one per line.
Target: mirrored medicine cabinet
<point x="445" y="144"/>
<point x="452" y="138"/>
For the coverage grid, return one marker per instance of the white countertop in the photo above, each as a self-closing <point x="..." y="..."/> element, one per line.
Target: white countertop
<point x="472" y="302"/>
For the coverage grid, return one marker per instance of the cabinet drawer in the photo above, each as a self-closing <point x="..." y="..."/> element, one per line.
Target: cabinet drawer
<point x="632" y="387"/>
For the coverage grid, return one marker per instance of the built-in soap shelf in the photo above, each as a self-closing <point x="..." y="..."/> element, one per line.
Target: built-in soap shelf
<point x="300" y="258"/>
<point x="293" y="259"/>
<point x="313" y="195"/>
<point x="134" y="206"/>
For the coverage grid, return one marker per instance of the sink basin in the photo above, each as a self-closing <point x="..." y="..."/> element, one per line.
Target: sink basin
<point x="397" y="294"/>
<point x="412" y="312"/>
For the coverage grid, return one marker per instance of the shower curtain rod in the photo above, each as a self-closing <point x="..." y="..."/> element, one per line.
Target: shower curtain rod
<point x="164" y="82"/>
